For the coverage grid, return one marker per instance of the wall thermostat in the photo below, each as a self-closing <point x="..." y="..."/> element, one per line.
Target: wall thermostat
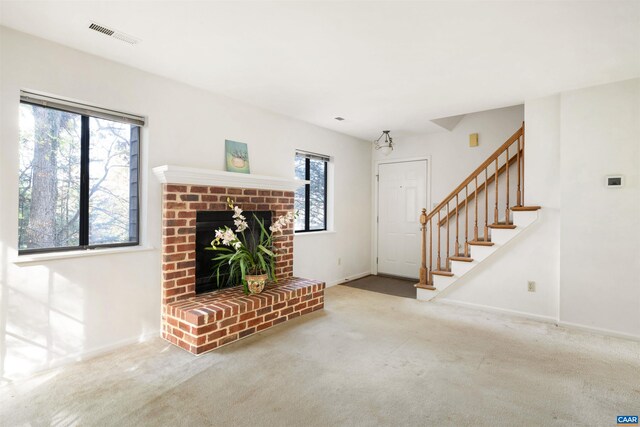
<point x="614" y="181"/>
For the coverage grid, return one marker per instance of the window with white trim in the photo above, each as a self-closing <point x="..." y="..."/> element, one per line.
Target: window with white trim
<point x="79" y="170"/>
<point x="311" y="199"/>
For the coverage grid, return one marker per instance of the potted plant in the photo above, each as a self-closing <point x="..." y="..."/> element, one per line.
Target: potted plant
<point x="251" y="260"/>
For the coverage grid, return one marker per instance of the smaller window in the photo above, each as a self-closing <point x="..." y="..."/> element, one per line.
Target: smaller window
<point x="311" y="200"/>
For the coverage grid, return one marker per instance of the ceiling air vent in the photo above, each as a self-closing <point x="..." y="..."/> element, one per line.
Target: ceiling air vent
<point x="119" y="35"/>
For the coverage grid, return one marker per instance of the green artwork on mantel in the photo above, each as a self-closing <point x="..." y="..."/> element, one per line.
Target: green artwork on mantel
<point x="237" y="155"/>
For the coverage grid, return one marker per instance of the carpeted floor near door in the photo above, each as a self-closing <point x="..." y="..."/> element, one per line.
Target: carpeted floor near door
<point x="368" y="359"/>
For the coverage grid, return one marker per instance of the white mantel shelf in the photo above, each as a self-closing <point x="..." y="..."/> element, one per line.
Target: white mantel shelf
<point x="169" y="174"/>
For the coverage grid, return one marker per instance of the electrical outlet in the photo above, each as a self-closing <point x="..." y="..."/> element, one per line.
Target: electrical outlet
<point x="339" y="261"/>
<point x="531" y="286"/>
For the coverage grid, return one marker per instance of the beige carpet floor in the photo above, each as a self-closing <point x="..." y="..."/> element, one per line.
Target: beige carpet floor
<point x="367" y="359"/>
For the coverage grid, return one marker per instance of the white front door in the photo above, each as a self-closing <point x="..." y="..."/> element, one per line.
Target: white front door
<point x="402" y="193"/>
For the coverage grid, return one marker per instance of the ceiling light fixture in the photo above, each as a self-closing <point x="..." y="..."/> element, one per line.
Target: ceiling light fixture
<point x="339" y="118"/>
<point x="386" y="146"/>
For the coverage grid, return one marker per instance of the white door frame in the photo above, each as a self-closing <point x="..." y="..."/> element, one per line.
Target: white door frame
<point x="374" y="207"/>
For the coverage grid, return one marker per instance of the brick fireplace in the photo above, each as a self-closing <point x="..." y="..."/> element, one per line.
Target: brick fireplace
<point x="203" y="322"/>
<point x="179" y="206"/>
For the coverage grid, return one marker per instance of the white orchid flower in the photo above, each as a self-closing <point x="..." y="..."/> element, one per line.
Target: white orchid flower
<point x="241" y="225"/>
<point x="238" y="212"/>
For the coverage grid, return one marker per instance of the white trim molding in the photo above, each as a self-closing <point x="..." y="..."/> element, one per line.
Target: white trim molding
<point x="492" y="309"/>
<point x="348" y="279"/>
<point x="80" y="253"/>
<point x="600" y="331"/>
<point x="541" y="318"/>
<point x="169" y="174"/>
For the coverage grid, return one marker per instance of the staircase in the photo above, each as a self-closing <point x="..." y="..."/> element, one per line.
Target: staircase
<point x="475" y="220"/>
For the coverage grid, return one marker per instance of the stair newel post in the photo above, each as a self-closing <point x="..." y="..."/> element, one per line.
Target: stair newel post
<point x="475" y="223"/>
<point x="423" y="260"/>
<point x="506" y="212"/>
<point x="518" y="193"/>
<point x="466" y="220"/>
<point x="439" y="245"/>
<point x="522" y="163"/>
<point x="496" y="214"/>
<point x="426" y="276"/>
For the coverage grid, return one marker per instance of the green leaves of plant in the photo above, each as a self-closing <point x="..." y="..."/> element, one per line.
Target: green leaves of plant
<point x="255" y="257"/>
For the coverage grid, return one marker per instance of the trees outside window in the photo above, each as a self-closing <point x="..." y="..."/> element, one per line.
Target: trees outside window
<point x="78" y="185"/>
<point x="311" y="200"/>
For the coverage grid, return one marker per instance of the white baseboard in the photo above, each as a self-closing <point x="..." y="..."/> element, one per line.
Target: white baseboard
<point x="545" y="319"/>
<point x="81" y="356"/>
<point x="599" y="331"/>
<point x="349" y="278"/>
<point x="532" y="316"/>
<point x="114" y="346"/>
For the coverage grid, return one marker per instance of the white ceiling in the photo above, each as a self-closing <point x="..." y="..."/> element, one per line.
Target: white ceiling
<point x="381" y="65"/>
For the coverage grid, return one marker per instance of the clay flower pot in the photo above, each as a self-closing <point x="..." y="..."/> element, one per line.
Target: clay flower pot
<point x="256" y="283"/>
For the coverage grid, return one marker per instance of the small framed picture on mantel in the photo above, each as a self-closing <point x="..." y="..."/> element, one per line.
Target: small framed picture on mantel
<point x="237" y="156"/>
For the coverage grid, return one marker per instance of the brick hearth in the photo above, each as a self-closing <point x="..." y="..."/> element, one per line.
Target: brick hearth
<point x="226" y="312"/>
<point x="209" y="321"/>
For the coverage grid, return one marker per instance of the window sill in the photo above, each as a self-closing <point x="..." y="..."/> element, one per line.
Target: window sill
<point x="39" y="258"/>
<point x="313" y="233"/>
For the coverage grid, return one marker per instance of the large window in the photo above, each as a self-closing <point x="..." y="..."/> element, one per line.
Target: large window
<point x="78" y="185"/>
<point x="311" y="200"/>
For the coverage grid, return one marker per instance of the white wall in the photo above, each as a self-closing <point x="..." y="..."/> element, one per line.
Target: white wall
<point x="63" y="309"/>
<point x="501" y="282"/>
<point x="584" y="251"/>
<point x="600" y="227"/>
<point x="452" y="158"/>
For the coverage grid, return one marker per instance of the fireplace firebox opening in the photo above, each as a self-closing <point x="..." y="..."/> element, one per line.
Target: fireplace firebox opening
<point x="207" y="222"/>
